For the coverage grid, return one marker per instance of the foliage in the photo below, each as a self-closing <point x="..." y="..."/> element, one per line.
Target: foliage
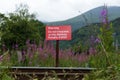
<point x="109" y="73"/>
<point x="81" y="35"/>
<point x="2" y="18"/>
<point x="107" y="62"/>
<point x="20" y="26"/>
<point x="22" y="33"/>
<point x="36" y="55"/>
<point x="106" y="31"/>
<point x="99" y="60"/>
<point x="103" y="71"/>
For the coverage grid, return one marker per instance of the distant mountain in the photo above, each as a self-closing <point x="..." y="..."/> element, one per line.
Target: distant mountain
<point x="91" y="16"/>
<point x="82" y="35"/>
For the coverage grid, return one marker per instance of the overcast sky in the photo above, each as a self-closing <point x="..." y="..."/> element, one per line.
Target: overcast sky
<point x="56" y="10"/>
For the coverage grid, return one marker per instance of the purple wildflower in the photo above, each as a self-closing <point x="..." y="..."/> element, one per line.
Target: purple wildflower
<point x="104" y="21"/>
<point x="23" y="52"/>
<point x="1" y="57"/>
<point x="97" y="40"/>
<point x="104" y="12"/>
<point x="104" y="15"/>
<point x="28" y="41"/>
<point x="16" y="46"/>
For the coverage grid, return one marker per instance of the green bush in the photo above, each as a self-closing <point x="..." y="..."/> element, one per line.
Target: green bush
<point x="20" y="26"/>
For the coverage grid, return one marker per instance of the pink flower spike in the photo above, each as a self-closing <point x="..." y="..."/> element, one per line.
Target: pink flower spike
<point x="104" y="13"/>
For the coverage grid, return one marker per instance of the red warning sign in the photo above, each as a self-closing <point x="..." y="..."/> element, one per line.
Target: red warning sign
<point x="58" y="32"/>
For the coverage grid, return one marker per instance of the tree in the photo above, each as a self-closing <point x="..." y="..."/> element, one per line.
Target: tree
<point x="2" y="20"/>
<point x="20" y="26"/>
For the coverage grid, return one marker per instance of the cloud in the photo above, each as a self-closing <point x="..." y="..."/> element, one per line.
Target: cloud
<point x="55" y="10"/>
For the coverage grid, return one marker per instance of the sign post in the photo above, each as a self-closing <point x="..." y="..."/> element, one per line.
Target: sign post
<point x="58" y="33"/>
<point x="57" y="54"/>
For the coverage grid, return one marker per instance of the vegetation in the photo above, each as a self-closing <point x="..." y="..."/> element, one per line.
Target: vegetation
<point x="92" y="16"/>
<point x="18" y="27"/>
<point x="107" y="62"/>
<point x="83" y="35"/>
<point x="22" y="44"/>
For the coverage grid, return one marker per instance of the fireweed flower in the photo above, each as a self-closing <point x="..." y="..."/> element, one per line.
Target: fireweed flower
<point x="104" y="12"/>
<point x="1" y="57"/>
<point x="104" y="20"/>
<point x="97" y="40"/>
<point x="23" y="52"/>
<point x="28" y="41"/>
<point x="16" y="46"/>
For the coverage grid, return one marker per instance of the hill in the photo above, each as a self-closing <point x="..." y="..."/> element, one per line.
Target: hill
<point x="82" y="36"/>
<point x="89" y="17"/>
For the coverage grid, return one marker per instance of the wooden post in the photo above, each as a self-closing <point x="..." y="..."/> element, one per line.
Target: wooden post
<point x="57" y="54"/>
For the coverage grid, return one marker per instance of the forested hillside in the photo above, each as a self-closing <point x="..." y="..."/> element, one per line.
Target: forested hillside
<point x="83" y="35"/>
